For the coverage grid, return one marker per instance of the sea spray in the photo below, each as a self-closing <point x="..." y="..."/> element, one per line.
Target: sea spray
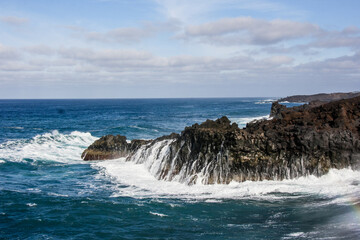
<point x="134" y="180"/>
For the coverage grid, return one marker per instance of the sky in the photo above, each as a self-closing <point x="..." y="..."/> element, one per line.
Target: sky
<point x="177" y="48"/>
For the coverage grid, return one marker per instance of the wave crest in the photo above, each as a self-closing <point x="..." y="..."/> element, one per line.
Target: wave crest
<point x="52" y="146"/>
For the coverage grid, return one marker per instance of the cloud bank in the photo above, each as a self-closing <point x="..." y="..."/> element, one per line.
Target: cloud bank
<point x="181" y="48"/>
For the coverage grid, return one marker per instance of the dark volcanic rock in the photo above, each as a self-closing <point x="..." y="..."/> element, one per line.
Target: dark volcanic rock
<point x="308" y="139"/>
<point x="107" y="147"/>
<point x="322" y="97"/>
<point x="111" y="147"/>
<point x="276" y="109"/>
<point x="313" y="140"/>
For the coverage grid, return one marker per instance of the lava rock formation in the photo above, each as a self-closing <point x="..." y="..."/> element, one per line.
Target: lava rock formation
<point x="304" y="140"/>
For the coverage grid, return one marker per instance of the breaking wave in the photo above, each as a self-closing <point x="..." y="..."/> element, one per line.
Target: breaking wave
<point x="54" y="146"/>
<point x="133" y="179"/>
<point x="266" y="101"/>
<point x="137" y="178"/>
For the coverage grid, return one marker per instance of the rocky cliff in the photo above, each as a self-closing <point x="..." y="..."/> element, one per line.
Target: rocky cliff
<point x="297" y="141"/>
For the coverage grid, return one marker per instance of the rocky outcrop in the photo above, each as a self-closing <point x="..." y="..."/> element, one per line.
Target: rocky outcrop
<point x="321" y="97"/>
<point x="276" y="109"/>
<point x="111" y="147"/>
<point x="298" y="141"/>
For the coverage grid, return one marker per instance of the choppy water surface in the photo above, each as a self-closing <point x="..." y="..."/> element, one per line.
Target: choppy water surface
<point x="48" y="192"/>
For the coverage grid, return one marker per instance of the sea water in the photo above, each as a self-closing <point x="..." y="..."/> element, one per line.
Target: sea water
<point x="48" y="192"/>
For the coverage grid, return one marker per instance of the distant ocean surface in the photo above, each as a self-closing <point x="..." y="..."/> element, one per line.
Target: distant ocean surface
<point x="48" y="192"/>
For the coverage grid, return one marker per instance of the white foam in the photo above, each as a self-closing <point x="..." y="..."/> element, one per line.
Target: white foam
<point x="52" y="146"/>
<point x="266" y="101"/>
<point x="57" y="195"/>
<point x="296" y="234"/>
<point x="142" y="128"/>
<point x="298" y="103"/>
<point x="243" y="121"/>
<point x="213" y="200"/>
<point x="158" y="214"/>
<point x="18" y="128"/>
<point x="134" y="180"/>
<point x="31" y="204"/>
<point x="36" y="190"/>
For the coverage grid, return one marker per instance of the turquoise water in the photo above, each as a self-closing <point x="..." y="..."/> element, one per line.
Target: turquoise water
<point x="48" y="192"/>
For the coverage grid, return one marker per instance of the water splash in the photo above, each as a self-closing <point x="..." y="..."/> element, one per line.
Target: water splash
<point x="134" y="180"/>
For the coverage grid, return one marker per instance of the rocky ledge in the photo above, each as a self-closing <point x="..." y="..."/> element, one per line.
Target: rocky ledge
<point x="299" y="141"/>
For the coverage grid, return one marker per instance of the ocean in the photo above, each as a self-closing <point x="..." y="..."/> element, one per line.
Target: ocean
<point x="48" y="192"/>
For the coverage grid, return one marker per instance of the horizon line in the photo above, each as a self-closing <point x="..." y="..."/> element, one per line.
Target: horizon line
<point x="149" y="98"/>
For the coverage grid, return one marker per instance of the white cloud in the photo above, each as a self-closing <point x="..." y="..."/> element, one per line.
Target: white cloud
<point x="279" y="60"/>
<point x="106" y="55"/>
<point x="127" y="35"/>
<point x="348" y="37"/>
<point x="137" y="67"/>
<point x="39" y="50"/>
<point x="344" y="64"/>
<point x="90" y="69"/>
<point x="119" y="35"/>
<point x="184" y="10"/>
<point x="192" y="41"/>
<point x="248" y="30"/>
<point x="8" y="53"/>
<point x="190" y="11"/>
<point x="14" y="21"/>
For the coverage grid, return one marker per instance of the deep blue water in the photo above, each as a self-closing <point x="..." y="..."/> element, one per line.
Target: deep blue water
<point x="48" y="192"/>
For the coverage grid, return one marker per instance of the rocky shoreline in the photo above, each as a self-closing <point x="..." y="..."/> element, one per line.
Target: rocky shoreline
<point x="299" y="141"/>
<point x="321" y="97"/>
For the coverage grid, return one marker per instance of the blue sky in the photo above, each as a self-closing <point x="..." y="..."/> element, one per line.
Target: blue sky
<point x="177" y="48"/>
